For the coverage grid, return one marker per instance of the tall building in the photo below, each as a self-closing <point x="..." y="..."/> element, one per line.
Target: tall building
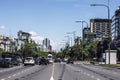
<point x="116" y="23"/>
<point x="46" y="45"/>
<point x="101" y="28"/>
<point x="6" y="43"/>
<point x="23" y="37"/>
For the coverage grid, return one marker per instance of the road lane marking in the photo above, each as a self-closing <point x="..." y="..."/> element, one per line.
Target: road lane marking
<point x="9" y="76"/>
<point x="2" y="79"/>
<point x="52" y="73"/>
<point x="14" y="75"/>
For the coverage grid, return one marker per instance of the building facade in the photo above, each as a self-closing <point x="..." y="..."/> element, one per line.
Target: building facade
<point x="101" y="28"/>
<point x="46" y="45"/>
<point x="23" y="37"/>
<point x="6" y="43"/>
<point x="116" y="23"/>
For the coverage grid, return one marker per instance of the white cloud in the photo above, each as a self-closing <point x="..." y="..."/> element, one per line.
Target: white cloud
<point x="33" y="33"/>
<point x="56" y="45"/>
<point x="2" y="27"/>
<point x="37" y="38"/>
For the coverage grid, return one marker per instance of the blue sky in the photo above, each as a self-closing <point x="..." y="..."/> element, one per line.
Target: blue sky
<point x="49" y="18"/>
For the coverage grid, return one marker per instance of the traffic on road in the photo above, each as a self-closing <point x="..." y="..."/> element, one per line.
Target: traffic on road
<point x="41" y="69"/>
<point x="59" y="39"/>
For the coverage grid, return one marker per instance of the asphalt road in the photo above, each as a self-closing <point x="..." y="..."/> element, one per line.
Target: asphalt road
<point x="60" y="71"/>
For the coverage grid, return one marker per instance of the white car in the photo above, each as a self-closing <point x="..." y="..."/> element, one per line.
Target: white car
<point x="51" y="61"/>
<point x="29" y="61"/>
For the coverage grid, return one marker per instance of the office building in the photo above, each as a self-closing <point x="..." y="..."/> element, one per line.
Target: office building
<point x="101" y="28"/>
<point x="116" y="24"/>
<point x="46" y="45"/>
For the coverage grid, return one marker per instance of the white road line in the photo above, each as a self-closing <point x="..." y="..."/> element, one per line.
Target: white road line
<point x="9" y="76"/>
<point x="2" y="79"/>
<point x="52" y="73"/>
<point x="14" y="75"/>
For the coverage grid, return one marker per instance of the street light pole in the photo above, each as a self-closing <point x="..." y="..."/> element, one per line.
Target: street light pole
<point x="82" y="27"/>
<point x="68" y="40"/>
<point x="82" y="37"/>
<point x="73" y="36"/>
<point x="107" y="6"/>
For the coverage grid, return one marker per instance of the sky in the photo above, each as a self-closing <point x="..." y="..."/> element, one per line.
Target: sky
<point x="50" y="18"/>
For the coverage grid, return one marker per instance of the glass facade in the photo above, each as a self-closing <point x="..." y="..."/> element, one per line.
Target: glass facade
<point x="115" y="26"/>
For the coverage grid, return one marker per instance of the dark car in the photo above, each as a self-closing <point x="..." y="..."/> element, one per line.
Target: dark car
<point x="1" y="62"/>
<point x="15" y="61"/>
<point x="70" y="61"/>
<point x="19" y="59"/>
<point x="7" y="62"/>
<point x="42" y="60"/>
<point x="57" y="60"/>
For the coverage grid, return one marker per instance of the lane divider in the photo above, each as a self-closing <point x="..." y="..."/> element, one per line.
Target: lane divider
<point x="52" y="78"/>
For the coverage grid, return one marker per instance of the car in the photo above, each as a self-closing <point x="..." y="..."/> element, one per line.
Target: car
<point x="42" y="60"/>
<point x="50" y="61"/>
<point x="15" y="61"/>
<point x="1" y="62"/>
<point x="18" y="59"/>
<point x="70" y="61"/>
<point x="29" y="61"/>
<point x="7" y="62"/>
<point x="57" y="60"/>
<point x="65" y="59"/>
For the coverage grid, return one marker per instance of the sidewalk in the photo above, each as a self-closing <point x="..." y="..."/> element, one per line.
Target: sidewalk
<point x="81" y="62"/>
<point x="111" y="65"/>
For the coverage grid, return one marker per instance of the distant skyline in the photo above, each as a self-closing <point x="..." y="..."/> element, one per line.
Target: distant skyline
<point x="50" y="18"/>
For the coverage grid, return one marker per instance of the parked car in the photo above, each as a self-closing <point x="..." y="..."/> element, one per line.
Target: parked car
<point x="18" y="59"/>
<point x="7" y="62"/>
<point x="1" y="62"/>
<point x="15" y="61"/>
<point x="70" y="61"/>
<point x="29" y="61"/>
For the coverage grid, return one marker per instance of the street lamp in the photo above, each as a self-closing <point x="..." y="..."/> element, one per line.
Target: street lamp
<point x="107" y="6"/>
<point x="73" y="36"/>
<point x="82" y="33"/>
<point x="104" y="6"/>
<point x="68" y="40"/>
<point x="82" y="26"/>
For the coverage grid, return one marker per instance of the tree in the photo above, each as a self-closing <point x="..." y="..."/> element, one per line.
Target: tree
<point x="29" y="49"/>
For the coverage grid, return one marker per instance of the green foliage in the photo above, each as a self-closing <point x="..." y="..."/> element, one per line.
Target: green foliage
<point x="41" y="53"/>
<point x="29" y="49"/>
<point x="80" y="49"/>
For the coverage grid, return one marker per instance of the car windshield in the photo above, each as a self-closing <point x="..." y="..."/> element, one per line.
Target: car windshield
<point x="28" y="58"/>
<point x="7" y="59"/>
<point x="59" y="39"/>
